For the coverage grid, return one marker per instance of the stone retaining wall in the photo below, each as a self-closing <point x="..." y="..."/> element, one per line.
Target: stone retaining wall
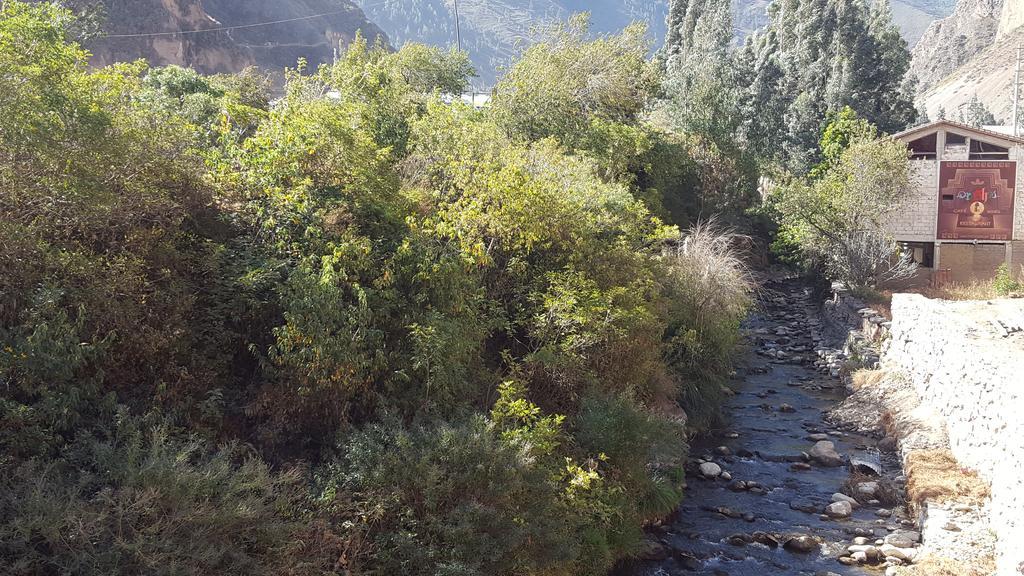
<point x="965" y="361"/>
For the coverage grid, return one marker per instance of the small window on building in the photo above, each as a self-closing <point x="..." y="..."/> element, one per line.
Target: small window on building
<point x="985" y="151"/>
<point x="923" y="148"/>
<point x="923" y="253"/>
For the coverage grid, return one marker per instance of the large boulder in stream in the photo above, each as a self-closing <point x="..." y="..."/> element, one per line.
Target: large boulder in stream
<point x="710" y="470"/>
<point x="802" y="544"/>
<point x="841" y="509"/>
<point x="824" y="453"/>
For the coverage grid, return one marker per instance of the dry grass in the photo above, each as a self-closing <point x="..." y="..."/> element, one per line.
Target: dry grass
<point x="864" y="377"/>
<point x="936" y="475"/>
<point x="976" y="290"/>
<point x="936" y="566"/>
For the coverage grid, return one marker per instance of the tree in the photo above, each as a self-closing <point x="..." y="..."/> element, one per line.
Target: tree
<point x="839" y="217"/>
<point x="816" y="57"/>
<point x="701" y="85"/>
<point x="564" y="83"/>
<point x="976" y="114"/>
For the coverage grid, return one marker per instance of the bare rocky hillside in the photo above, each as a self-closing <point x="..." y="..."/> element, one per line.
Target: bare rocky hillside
<point x="971" y="53"/>
<point x="273" y="46"/>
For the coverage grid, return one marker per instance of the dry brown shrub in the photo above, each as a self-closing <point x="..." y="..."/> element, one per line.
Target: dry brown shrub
<point x="936" y="566"/>
<point x="864" y="377"/>
<point x="936" y="475"/>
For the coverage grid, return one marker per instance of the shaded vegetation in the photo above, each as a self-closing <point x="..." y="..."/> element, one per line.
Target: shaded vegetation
<point x="359" y="330"/>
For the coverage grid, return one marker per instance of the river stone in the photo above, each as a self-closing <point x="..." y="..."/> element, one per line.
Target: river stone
<point x="802" y="543"/>
<point x="905" y="554"/>
<point x="723" y="451"/>
<point x="728" y="512"/>
<point x="866" y="489"/>
<point x="883" y="512"/>
<point x="860" y="541"/>
<point x="840" y="497"/>
<point x="737" y="486"/>
<point x="651" y="549"/>
<point x="786" y="408"/>
<point x="805" y="506"/>
<point x="903" y="539"/>
<point x="824" y="453"/>
<point x="847" y="561"/>
<point x="710" y="470"/>
<point x="871" y="554"/>
<point x="766" y="539"/>
<point x="726" y="476"/>
<point x="818" y="437"/>
<point x="859" y="557"/>
<point x="738" y="539"/>
<point x="840" y="509"/>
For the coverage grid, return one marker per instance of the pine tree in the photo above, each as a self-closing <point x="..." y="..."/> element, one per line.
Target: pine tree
<point x="831" y="54"/>
<point x="976" y="114"/>
<point x="701" y="79"/>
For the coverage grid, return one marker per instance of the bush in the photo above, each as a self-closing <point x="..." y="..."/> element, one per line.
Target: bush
<point x="709" y="292"/>
<point x="465" y="320"/>
<point x="1004" y="283"/>
<point x="150" y="503"/>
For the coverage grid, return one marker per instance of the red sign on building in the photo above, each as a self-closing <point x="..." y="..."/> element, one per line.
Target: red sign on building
<point x="976" y="200"/>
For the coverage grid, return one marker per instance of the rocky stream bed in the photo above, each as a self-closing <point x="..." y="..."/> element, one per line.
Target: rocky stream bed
<point x="780" y="490"/>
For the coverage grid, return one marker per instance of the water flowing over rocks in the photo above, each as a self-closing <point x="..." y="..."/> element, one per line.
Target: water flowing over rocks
<point x="791" y="504"/>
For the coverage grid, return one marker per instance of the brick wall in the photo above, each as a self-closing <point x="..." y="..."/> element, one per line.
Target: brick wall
<point x="915" y="222"/>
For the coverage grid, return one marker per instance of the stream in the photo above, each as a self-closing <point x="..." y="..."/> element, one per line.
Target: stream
<point x="764" y="514"/>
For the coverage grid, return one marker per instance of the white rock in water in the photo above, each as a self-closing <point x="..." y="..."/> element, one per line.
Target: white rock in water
<point x="867" y="489"/>
<point x="710" y="470"/>
<point x="726" y="476"/>
<point x="824" y="453"/>
<point x="839" y="509"/>
<point x="860" y="541"/>
<point x="840" y="497"/>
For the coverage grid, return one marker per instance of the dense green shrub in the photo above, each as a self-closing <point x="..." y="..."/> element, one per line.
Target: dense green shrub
<point x="473" y="327"/>
<point x="134" y="502"/>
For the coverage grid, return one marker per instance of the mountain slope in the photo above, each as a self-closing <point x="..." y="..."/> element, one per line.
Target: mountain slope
<point x="494" y="31"/>
<point x="973" y="52"/>
<point x="272" y="46"/>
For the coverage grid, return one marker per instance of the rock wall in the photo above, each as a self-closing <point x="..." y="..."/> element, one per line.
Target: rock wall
<point x="965" y="361"/>
<point x="1011" y="18"/>
<point x="953" y="41"/>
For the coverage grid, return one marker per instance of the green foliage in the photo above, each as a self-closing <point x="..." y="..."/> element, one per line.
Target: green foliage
<point x="814" y="58"/>
<point x="838" y="214"/>
<point x="976" y="114"/>
<point x="1004" y="283"/>
<point x="565" y="82"/>
<point x="469" y="323"/>
<point x="146" y="503"/>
